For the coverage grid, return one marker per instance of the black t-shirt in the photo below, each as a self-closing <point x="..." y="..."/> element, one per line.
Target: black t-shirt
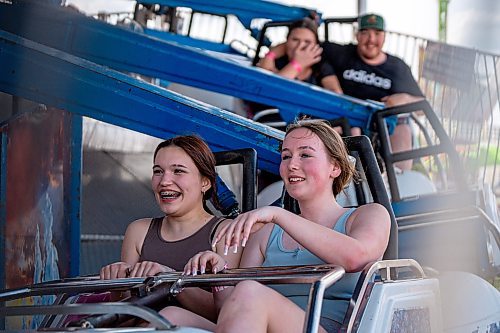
<point x="364" y="81"/>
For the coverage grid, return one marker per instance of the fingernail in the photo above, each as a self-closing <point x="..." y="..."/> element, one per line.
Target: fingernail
<point x="244" y="242"/>
<point x="202" y="270"/>
<point x="226" y="248"/>
<point x="215" y="270"/>
<point x="194" y="273"/>
<point x="235" y="249"/>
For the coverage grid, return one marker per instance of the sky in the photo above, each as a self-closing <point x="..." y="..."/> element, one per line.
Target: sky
<point x="471" y="23"/>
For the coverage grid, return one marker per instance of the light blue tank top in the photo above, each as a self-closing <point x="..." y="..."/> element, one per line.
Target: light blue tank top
<point x="336" y="298"/>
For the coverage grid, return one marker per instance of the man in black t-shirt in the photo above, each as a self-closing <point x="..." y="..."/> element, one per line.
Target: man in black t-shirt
<point x="366" y="72"/>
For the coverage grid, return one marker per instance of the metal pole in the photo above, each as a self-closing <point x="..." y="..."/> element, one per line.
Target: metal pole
<point x="361" y="7"/>
<point x="443" y="19"/>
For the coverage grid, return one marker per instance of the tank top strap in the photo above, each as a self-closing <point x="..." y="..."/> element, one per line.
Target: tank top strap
<point x="214" y="222"/>
<point x="340" y="225"/>
<point x="274" y="236"/>
<point x="155" y="224"/>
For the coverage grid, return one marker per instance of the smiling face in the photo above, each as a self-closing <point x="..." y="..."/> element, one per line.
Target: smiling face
<point x="370" y="43"/>
<point x="177" y="183"/>
<point x="302" y="37"/>
<point x="306" y="168"/>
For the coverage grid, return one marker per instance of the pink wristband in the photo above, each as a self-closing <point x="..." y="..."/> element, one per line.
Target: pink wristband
<point x="296" y="65"/>
<point x="271" y="55"/>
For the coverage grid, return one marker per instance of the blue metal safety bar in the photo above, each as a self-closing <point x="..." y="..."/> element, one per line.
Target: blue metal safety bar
<point x="245" y="10"/>
<point x="45" y="75"/>
<point x="129" y="51"/>
<point x="198" y="43"/>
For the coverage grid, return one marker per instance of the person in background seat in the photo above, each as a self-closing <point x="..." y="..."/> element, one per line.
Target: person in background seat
<point x="299" y="58"/>
<point x="366" y="72"/>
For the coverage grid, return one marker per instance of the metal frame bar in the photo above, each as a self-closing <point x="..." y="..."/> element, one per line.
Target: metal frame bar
<point x="135" y="310"/>
<point x="363" y="146"/>
<point x="445" y="145"/>
<point x="26" y="67"/>
<point x="386" y="268"/>
<point x="245" y="10"/>
<point x="74" y="202"/>
<point x="112" y="46"/>
<point x="248" y="158"/>
<point x="3" y="211"/>
<point x="319" y="276"/>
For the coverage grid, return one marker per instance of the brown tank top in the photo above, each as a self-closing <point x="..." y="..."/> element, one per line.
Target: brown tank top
<point x="176" y="254"/>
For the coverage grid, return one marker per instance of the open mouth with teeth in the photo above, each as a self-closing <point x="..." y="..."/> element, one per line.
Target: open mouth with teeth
<point x="169" y="195"/>
<point x="292" y="180"/>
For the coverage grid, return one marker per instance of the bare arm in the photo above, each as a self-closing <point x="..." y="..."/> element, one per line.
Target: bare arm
<point x="367" y="234"/>
<point x="303" y="56"/>
<point x="133" y="240"/>
<point x="400" y="99"/>
<point x="331" y="82"/>
<point x="268" y="62"/>
<point x="131" y="251"/>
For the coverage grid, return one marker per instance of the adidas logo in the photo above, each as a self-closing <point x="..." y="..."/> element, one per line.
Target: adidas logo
<point x="368" y="79"/>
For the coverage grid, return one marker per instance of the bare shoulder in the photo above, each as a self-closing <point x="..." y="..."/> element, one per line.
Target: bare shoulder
<point x="369" y="214"/>
<point x="139" y="226"/>
<point x="225" y="222"/>
<point x="372" y="208"/>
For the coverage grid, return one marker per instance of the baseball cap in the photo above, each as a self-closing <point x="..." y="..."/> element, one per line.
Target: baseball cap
<point x="371" y="21"/>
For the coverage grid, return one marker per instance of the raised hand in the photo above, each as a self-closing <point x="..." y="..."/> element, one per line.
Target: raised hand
<point x="307" y="54"/>
<point x="237" y="232"/>
<point x="205" y="261"/>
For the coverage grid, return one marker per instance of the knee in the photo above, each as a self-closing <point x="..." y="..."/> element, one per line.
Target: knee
<point x="248" y="291"/>
<point x="171" y="312"/>
<point x="248" y="287"/>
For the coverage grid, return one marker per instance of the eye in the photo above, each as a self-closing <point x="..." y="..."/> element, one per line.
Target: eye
<point x="305" y="155"/>
<point x="285" y="157"/>
<point x="157" y="172"/>
<point x="179" y="171"/>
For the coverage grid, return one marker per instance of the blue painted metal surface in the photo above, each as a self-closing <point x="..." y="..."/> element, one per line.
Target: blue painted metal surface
<point x="245" y="10"/>
<point x="49" y="76"/>
<point x="133" y="52"/>
<point x="189" y="41"/>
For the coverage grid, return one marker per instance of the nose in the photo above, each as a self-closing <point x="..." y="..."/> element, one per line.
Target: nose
<point x="371" y="36"/>
<point x="293" y="163"/>
<point x="166" y="179"/>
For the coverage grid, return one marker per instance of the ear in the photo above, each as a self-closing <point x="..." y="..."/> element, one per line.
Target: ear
<point x="335" y="170"/>
<point x="205" y="184"/>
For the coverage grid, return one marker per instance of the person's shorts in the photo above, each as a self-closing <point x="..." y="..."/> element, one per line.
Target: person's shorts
<point x="403" y="119"/>
<point x="330" y="325"/>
